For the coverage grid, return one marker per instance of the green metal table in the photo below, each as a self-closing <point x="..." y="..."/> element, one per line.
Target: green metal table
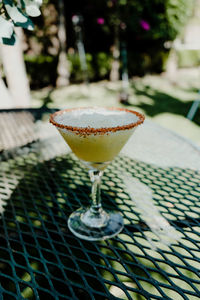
<point x="156" y="256"/>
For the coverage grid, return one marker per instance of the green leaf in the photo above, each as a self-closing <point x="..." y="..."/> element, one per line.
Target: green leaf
<point x="32" y="8"/>
<point x="8" y="41"/>
<point x="6" y="28"/>
<point x="18" y="17"/>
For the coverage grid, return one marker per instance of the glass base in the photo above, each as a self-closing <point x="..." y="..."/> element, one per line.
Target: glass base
<point x="111" y="227"/>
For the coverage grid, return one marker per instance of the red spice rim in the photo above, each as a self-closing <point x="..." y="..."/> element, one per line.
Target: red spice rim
<point x="91" y="130"/>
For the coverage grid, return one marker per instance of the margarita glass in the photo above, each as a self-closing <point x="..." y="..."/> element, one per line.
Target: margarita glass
<point x="96" y="135"/>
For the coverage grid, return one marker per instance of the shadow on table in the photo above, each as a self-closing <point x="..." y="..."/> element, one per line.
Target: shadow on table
<point x="41" y="258"/>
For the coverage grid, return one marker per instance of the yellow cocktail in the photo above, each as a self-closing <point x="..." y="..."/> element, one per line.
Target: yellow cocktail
<point x="96" y="135"/>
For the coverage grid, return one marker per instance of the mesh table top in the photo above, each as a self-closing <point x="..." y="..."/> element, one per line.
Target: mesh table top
<point x="41" y="183"/>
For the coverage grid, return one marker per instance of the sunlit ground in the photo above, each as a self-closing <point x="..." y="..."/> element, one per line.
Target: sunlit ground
<point x="161" y="99"/>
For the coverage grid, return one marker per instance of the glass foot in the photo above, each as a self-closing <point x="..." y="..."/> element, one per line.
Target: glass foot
<point x="113" y="225"/>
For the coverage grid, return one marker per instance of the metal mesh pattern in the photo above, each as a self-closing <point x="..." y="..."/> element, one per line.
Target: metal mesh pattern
<point x="40" y="258"/>
<point x="17" y="129"/>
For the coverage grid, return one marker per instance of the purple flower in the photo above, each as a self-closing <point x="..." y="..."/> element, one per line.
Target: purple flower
<point x="145" y="25"/>
<point x="100" y="21"/>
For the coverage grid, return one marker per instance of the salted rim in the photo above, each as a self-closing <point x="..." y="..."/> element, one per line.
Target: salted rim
<point x="102" y="130"/>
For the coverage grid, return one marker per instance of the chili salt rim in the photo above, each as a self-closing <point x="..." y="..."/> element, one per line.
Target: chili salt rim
<point x="91" y="130"/>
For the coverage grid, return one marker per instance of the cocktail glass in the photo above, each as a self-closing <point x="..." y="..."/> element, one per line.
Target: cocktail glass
<point x="96" y="135"/>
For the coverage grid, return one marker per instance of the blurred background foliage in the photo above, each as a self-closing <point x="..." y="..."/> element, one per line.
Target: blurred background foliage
<point x="144" y="26"/>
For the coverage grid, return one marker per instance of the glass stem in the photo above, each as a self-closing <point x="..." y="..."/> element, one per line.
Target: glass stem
<point x="95" y="216"/>
<point x="95" y="177"/>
